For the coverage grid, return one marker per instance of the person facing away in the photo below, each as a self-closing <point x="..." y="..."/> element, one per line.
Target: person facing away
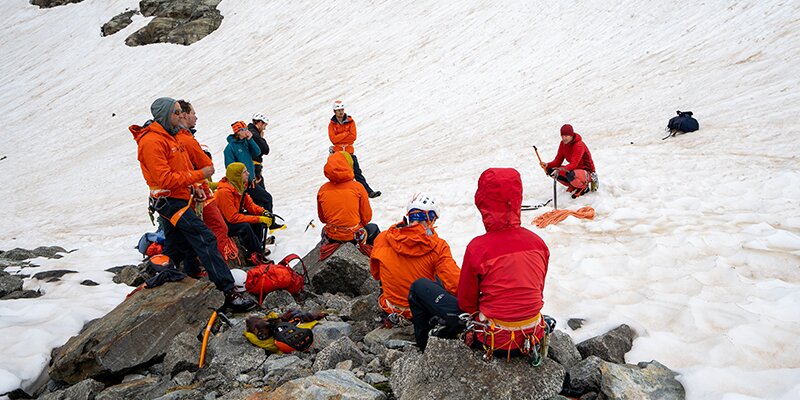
<point x="209" y="211"/>
<point x="410" y="250"/>
<point x="579" y="172"/>
<point x="257" y="128"/>
<point x="502" y="276"/>
<point x="242" y="148"/>
<point x="244" y="218"/>
<point x="170" y="175"/>
<point x="343" y="204"/>
<point x="342" y="133"/>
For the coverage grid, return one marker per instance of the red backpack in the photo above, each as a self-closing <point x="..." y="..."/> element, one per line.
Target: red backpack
<point x="267" y="278"/>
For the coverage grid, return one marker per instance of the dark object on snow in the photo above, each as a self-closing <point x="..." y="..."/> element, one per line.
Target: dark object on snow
<point x="167" y="275"/>
<point x="53" y="3"/>
<point x="116" y="24"/>
<point x="683" y="123"/>
<point x="89" y="282"/>
<point x="52" y="276"/>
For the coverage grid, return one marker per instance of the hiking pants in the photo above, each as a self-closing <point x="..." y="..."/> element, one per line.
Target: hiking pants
<point x="576" y="179"/>
<point x="250" y="236"/>
<point x="190" y="239"/>
<point x="428" y="300"/>
<point x="214" y="220"/>
<point x="359" y="176"/>
<point x="260" y="196"/>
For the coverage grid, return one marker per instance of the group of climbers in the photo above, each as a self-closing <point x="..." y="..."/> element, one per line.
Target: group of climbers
<point x="499" y="287"/>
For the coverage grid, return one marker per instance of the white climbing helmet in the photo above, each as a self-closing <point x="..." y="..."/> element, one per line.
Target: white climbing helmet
<point x="260" y="117"/>
<point x="338" y="105"/>
<point x="239" y="278"/>
<point x="421" y="201"/>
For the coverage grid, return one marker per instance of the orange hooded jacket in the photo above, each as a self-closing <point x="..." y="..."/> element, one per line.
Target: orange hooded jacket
<point x="405" y="253"/>
<point x="164" y="161"/>
<point x="342" y="135"/>
<point x="196" y="155"/>
<point x="229" y="199"/>
<point x="342" y="203"/>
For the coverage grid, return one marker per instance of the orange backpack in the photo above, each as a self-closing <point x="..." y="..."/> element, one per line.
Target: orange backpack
<point x="267" y="278"/>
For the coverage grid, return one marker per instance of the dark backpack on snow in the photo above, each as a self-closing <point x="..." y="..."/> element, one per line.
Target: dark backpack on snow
<point x="684" y="122"/>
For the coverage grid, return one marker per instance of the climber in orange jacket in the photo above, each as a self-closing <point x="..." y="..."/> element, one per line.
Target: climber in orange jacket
<point x="342" y="133"/>
<point x="343" y="204"/>
<point x="411" y="250"/>
<point x="248" y="225"/>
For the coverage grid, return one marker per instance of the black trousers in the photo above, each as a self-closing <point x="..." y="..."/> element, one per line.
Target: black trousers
<point x="260" y="196"/>
<point x="191" y="239"/>
<point x="360" y="176"/>
<point x="428" y="300"/>
<point x="250" y="235"/>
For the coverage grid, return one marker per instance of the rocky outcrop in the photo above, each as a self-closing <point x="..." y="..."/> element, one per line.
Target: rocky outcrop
<point x="562" y="349"/>
<point x="345" y="272"/>
<point x="325" y="385"/>
<point x="179" y="22"/>
<point x="610" y="346"/>
<point x="136" y="332"/>
<point x="646" y="381"/>
<point x="450" y="370"/>
<point x="53" y="3"/>
<point x="9" y="284"/>
<point x="118" y="23"/>
<point x="19" y="254"/>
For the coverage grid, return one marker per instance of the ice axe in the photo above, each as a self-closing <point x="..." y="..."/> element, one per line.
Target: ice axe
<point x="540" y="159"/>
<point x="555" y="196"/>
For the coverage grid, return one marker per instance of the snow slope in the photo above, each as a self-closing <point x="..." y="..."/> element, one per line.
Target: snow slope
<point x="696" y="242"/>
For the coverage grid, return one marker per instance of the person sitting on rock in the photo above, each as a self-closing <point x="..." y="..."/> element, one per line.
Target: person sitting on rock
<point x="410" y="250"/>
<point x="244" y="218"/>
<point x="502" y="277"/>
<point x="579" y="174"/>
<point x="343" y="206"/>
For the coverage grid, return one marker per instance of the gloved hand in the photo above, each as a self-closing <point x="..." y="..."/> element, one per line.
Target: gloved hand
<point x="265" y="220"/>
<point x="267" y="214"/>
<point x="554" y="173"/>
<point x="543" y="165"/>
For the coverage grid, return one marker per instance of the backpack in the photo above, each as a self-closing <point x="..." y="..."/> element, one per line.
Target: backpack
<point x="267" y="278"/>
<point x="684" y="122"/>
<point x="148" y="239"/>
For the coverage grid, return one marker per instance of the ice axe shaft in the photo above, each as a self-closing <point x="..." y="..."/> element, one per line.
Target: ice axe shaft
<point x="540" y="159"/>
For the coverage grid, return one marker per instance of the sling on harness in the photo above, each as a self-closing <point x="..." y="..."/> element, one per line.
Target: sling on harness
<point x="532" y="346"/>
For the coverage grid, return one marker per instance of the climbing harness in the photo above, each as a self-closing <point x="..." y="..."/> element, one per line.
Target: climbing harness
<point x="532" y="346"/>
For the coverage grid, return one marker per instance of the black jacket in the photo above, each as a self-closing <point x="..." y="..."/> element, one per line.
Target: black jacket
<point x="262" y="144"/>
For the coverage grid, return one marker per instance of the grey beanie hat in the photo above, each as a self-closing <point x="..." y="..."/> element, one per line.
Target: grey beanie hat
<point x="162" y="110"/>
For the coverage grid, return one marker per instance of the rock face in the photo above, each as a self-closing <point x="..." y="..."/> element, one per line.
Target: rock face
<point x="610" y="346"/>
<point x="326" y="385"/>
<point x="345" y="272"/>
<point x="563" y="350"/>
<point x="9" y="283"/>
<point x="53" y="3"/>
<point x="118" y="23"/>
<point x="137" y="331"/>
<point x="647" y="380"/>
<point x="450" y="370"/>
<point x="84" y="390"/>
<point x="336" y="352"/>
<point x="19" y="254"/>
<point x="179" y="22"/>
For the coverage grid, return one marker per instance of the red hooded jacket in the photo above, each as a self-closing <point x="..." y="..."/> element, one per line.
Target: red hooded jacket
<point x="576" y="153"/>
<point x="504" y="270"/>
<point x="164" y="161"/>
<point x="342" y="203"/>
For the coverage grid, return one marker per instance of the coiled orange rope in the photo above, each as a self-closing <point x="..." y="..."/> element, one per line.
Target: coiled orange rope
<point x="556" y="216"/>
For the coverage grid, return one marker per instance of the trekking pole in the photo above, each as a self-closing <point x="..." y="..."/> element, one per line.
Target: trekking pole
<point x="555" y="195"/>
<point x="540" y="159"/>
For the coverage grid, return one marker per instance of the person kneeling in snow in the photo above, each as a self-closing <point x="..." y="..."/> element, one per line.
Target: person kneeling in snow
<point x="343" y="206"/>
<point x="233" y="199"/>
<point x="578" y="175"/>
<point x="410" y="250"/>
<point x="501" y="281"/>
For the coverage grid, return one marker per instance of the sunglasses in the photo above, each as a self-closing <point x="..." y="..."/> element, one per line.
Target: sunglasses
<point x="177" y="111"/>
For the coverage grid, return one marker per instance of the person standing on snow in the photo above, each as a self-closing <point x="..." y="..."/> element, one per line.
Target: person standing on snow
<point x="343" y="205"/>
<point x="242" y="148"/>
<point x="168" y="171"/>
<point x="244" y="218"/>
<point x="408" y="251"/>
<point x="579" y="174"/>
<point x="342" y="132"/>
<point x="256" y="129"/>
<point x="502" y="277"/>
<point x="209" y="212"/>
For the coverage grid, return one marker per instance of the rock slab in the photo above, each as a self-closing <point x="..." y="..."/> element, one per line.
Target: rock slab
<point x="326" y="385"/>
<point x="610" y="346"/>
<point x="346" y="271"/>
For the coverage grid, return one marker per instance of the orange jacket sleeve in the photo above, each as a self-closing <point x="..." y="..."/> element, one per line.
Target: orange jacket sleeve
<point x="229" y="207"/>
<point x="320" y="212"/>
<point x="447" y="270"/>
<point x="252" y="208"/>
<point x="363" y="206"/>
<point x="154" y="155"/>
<point x="198" y="158"/>
<point x="342" y="134"/>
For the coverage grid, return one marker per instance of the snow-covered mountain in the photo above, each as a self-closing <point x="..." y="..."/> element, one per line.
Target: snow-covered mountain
<point x="696" y="241"/>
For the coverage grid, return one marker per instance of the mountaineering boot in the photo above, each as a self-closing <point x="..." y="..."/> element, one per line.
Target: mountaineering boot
<point x="580" y="192"/>
<point x="276" y="227"/>
<point x="374" y="194"/>
<point x="270" y="240"/>
<point x="238" y="302"/>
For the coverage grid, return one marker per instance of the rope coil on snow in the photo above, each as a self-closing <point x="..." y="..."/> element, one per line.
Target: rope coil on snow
<point x="556" y="216"/>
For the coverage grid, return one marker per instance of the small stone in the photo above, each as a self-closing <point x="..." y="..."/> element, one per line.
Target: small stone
<point x="375" y="379"/>
<point x="184" y="378"/>
<point x="575" y="323"/>
<point x="346" y="365"/>
<point x="89" y="282"/>
<point x="51" y="276"/>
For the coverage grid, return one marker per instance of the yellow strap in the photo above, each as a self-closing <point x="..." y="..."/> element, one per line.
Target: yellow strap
<point x="178" y="214"/>
<point x="528" y="323"/>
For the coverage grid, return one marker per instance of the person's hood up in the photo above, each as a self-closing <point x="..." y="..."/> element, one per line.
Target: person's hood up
<point x="499" y="198"/>
<point x="410" y="240"/>
<point x="233" y="174"/>
<point x="337" y="169"/>
<point x="162" y="110"/>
